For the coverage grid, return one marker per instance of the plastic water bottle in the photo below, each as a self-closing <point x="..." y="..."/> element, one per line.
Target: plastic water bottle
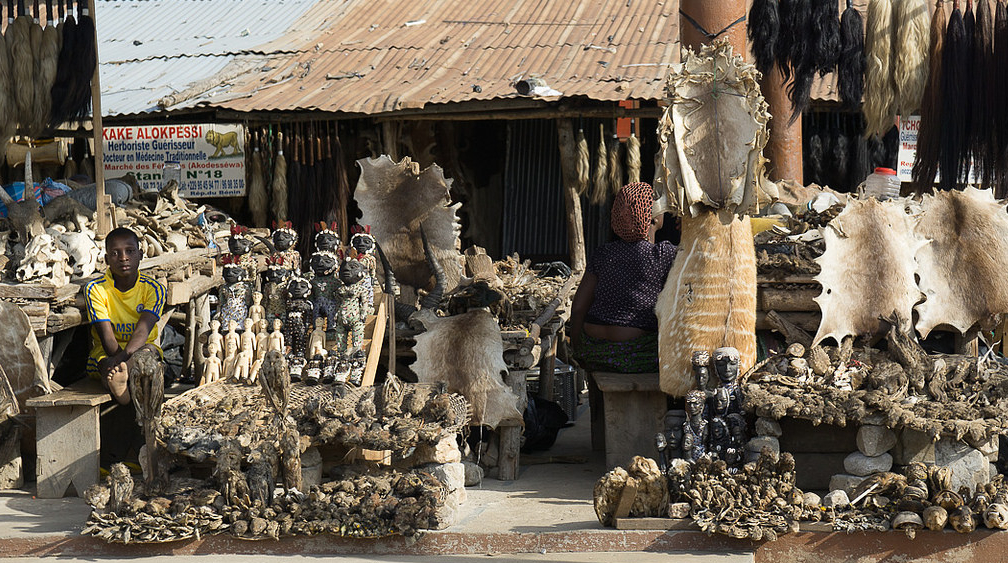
<point x="883" y="184"/>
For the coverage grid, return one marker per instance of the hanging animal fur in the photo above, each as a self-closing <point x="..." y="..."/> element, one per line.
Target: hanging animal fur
<point x="71" y="93"/>
<point x="997" y="102"/>
<point x="762" y="29"/>
<point x="615" y="165"/>
<point x="64" y="68"/>
<point x="258" y="200"/>
<point x="826" y="31"/>
<point x="802" y="58"/>
<point x="980" y="115"/>
<point x="910" y="64"/>
<point x="600" y="181"/>
<point x="45" y="74"/>
<point x="8" y="121"/>
<point x="583" y="164"/>
<point x="851" y="65"/>
<point x="879" y="96"/>
<point x="955" y="59"/>
<point x="929" y="134"/>
<point x="279" y="186"/>
<point x="633" y="159"/>
<point x="18" y="39"/>
<point x="790" y="48"/>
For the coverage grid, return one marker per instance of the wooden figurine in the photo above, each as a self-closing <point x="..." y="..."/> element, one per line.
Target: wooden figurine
<point x="212" y="365"/>
<point x="284" y="240"/>
<point x="695" y="428"/>
<point x="324" y="285"/>
<point x="215" y="339"/>
<point x="276" y="338"/>
<point x="326" y="237"/>
<point x="235" y="294"/>
<point x="232" y="340"/>
<point x="350" y="294"/>
<point x="275" y="279"/>
<point x="256" y="312"/>
<point x="243" y="367"/>
<point x="240" y="245"/>
<point x="299" y="318"/>
<point x="230" y="353"/>
<point x="364" y="245"/>
<point x="316" y="342"/>
<point x="727" y="396"/>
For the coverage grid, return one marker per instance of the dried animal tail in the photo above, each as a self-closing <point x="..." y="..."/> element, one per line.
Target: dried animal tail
<point x="762" y="29"/>
<point x="983" y="44"/>
<point x="997" y="102"/>
<point x="955" y="59"/>
<point x="583" y="164"/>
<point x="615" y="165"/>
<point x="910" y="69"/>
<point x="850" y="67"/>
<point x="929" y="135"/>
<point x="633" y="159"/>
<point x="826" y="31"/>
<point x="600" y="181"/>
<point x="879" y="96"/>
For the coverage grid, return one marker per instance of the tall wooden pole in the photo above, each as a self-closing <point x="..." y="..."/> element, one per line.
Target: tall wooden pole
<point x="103" y="213"/>
<point x="724" y="17"/>
<point x="784" y="149"/>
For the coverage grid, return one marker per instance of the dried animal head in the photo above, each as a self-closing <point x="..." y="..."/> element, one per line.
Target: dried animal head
<point x="996" y="516"/>
<point x="935" y="518"/>
<point x="713" y="131"/>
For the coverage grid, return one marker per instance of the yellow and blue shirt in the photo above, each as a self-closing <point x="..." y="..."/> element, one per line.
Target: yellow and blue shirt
<point x="122" y="309"/>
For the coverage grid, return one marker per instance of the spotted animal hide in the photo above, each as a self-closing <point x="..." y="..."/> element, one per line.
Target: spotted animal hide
<point x="467" y="354"/>
<point x="395" y="198"/>
<point x="709" y="298"/>
<point x="867" y="269"/>
<point x="964" y="264"/>
<point x="713" y="131"/>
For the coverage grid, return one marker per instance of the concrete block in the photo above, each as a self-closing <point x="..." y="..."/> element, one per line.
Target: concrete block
<point x="859" y="464"/>
<point x="768" y="427"/>
<point x="969" y="466"/>
<point x="11" y="469"/>
<point x="912" y="446"/>
<point x="875" y="440"/>
<point x="845" y="482"/>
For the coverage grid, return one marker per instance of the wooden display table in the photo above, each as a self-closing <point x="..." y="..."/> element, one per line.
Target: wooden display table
<point x="67" y="437"/>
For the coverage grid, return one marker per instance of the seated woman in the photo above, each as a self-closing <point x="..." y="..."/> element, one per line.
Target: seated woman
<point x="613" y="323"/>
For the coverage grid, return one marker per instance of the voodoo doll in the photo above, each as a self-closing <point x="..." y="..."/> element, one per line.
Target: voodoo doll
<point x="324" y="285"/>
<point x="298" y="319"/>
<point x="236" y="293"/>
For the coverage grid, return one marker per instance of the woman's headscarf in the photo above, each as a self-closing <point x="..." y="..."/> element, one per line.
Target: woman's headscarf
<point x="632" y="211"/>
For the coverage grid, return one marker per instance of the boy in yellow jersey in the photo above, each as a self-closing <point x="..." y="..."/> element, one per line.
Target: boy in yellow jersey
<point x="124" y="307"/>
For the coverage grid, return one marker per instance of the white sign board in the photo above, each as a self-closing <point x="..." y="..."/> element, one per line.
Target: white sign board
<point x="908" y="127"/>
<point x="212" y="156"/>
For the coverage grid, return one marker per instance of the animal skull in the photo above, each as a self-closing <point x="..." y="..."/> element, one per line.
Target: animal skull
<point x="43" y="258"/>
<point x="996" y="516"/>
<point x="935" y="518"/>
<point x="83" y="251"/>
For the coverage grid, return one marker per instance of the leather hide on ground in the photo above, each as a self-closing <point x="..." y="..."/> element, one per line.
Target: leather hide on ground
<point x="395" y="198"/>
<point x="867" y="269"/>
<point x="466" y="353"/>
<point x="963" y="267"/>
<point x="20" y="355"/>
<point x="709" y="298"/>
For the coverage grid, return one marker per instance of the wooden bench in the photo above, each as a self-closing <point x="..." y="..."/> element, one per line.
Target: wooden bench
<point x="68" y="438"/>
<point x="627" y="410"/>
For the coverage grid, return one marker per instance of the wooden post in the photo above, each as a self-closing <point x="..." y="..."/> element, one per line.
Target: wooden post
<point x="714" y="17"/>
<point x="510" y="436"/>
<point x="572" y="202"/>
<point x="784" y="150"/>
<point x="546" y="369"/>
<point x="104" y="213"/>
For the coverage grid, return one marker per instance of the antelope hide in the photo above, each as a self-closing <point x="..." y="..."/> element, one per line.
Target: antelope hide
<point x="396" y="198"/>
<point x="867" y="269"/>
<point x="713" y="132"/>
<point x="709" y="298"/>
<point x="964" y="261"/>
<point x="467" y="354"/>
<point x="20" y="355"/>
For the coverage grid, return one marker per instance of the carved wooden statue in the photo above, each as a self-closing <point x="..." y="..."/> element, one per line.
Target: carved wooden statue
<point x="695" y="430"/>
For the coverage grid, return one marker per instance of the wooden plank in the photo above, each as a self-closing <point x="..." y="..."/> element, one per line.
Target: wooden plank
<point x="27" y="291"/>
<point x="86" y="392"/>
<point x="181" y="292"/>
<point x="656" y="524"/>
<point x="511" y="431"/>
<point x="631" y="421"/>
<point x="626" y="500"/>
<point x="803" y="279"/>
<point x="375" y="339"/>
<point x="773" y="299"/>
<point x="69" y="317"/>
<point x="68" y="442"/>
<point x="803" y="320"/>
<point x="626" y="382"/>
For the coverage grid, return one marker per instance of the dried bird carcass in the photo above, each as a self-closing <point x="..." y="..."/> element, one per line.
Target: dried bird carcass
<point x="121" y="486"/>
<point x="395" y="198"/>
<point x="712" y="135"/>
<point x="466" y="352"/>
<point x="146" y="384"/>
<point x="880" y="283"/>
<point x="274" y="379"/>
<point x="962" y="264"/>
<point x="649" y="486"/>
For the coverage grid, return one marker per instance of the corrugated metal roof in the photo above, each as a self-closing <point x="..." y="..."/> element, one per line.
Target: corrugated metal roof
<point x="379" y="56"/>
<point x="180" y="42"/>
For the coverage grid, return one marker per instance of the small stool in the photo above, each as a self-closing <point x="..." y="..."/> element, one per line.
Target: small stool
<point x="627" y="410"/>
<point x="67" y="437"/>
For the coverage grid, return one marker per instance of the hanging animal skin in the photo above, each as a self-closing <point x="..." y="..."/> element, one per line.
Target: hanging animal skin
<point x="879" y="282"/>
<point x="713" y="131"/>
<point x="962" y="267"/>
<point x="395" y="198"/>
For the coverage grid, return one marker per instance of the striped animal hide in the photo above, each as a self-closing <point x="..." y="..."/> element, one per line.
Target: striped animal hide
<point x="962" y="265"/>
<point x="713" y="131"/>
<point x="467" y="354"/>
<point x="709" y="298"/>
<point x="395" y="198"/>
<point x="867" y="270"/>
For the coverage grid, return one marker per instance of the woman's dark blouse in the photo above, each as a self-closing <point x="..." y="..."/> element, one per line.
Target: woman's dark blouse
<point x="630" y="276"/>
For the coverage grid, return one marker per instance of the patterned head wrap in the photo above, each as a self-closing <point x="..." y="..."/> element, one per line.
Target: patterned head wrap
<point x="631" y="211"/>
